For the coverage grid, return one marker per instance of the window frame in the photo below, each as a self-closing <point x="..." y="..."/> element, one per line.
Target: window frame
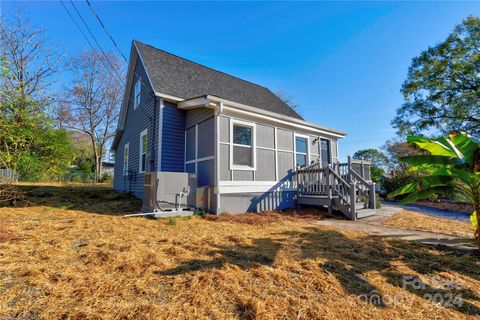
<point x="141" y="151"/>
<point x="126" y="147"/>
<point x="137" y="94"/>
<point x="307" y="151"/>
<point x="253" y="148"/>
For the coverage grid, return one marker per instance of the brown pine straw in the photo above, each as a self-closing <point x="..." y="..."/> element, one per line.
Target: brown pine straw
<point x="79" y="264"/>
<point x="418" y="221"/>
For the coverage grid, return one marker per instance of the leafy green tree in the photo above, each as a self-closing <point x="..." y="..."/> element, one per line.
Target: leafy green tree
<point x="378" y="159"/>
<point x="395" y="149"/>
<point x="442" y="90"/>
<point x="453" y="165"/>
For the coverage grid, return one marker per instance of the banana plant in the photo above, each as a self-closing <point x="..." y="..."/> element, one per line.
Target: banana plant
<point x="452" y="165"/>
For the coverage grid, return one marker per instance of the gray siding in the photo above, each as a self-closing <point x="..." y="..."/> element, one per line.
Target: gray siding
<point x="265" y="152"/>
<point x="145" y="116"/>
<point x="285" y="139"/>
<point x="224" y="129"/>
<point x="254" y="202"/>
<point x="224" y="163"/>
<point x="265" y="165"/>
<point x="197" y="115"/>
<point x="206" y="138"/>
<point x="334" y="150"/>
<point x="314" y="146"/>
<point x="265" y="136"/>
<point x="202" y="123"/>
<point x="241" y="175"/>
<point x="285" y="164"/>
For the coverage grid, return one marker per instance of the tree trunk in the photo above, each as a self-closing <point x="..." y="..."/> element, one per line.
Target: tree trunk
<point x="98" y="168"/>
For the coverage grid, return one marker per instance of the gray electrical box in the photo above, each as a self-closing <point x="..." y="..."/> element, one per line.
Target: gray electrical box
<point x="167" y="191"/>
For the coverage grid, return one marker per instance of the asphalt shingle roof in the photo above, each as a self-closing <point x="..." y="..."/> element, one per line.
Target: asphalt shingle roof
<point x="186" y="79"/>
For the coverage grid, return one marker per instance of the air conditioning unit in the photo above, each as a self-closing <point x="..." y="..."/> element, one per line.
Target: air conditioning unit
<point x="169" y="192"/>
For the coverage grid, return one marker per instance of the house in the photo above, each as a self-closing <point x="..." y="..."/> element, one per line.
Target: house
<point x="237" y="136"/>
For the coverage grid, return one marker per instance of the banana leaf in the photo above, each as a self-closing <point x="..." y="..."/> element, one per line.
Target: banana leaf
<point x="435" y="147"/>
<point x="425" y="194"/>
<point x="422" y="160"/>
<point x="423" y="184"/>
<point x="466" y="146"/>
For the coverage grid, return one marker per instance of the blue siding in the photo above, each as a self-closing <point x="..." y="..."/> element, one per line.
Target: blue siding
<point x="173" y="139"/>
<point x="145" y="116"/>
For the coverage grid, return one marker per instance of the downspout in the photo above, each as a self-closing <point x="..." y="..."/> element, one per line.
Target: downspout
<point x="217" y="112"/>
<point x="152" y="157"/>
<point x="160" y="134"/>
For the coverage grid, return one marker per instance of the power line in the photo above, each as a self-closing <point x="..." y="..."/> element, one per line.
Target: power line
<point x="85" y="36"/>
<point x="95" y="39"/>
<point x="116" y="46"/>
<point x="106" y="31"/>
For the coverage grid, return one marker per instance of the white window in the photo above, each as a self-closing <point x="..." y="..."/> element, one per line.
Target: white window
<point x="125" y="159"/>
<point x="301" y="150"/>
<point x="137" y="95"/>
<point x="242" y="145"/>
<point x="143" y="150"/>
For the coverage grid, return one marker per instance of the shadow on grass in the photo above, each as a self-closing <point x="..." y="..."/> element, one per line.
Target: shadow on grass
<point x="90" y="198"/>
<point x="349" y="259"/>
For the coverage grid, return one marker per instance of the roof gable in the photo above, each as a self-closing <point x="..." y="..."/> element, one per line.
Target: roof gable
<point x="179" y="77"/>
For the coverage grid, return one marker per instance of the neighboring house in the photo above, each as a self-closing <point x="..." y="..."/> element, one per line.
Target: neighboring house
<point x="108" y="167"/>
<point x="237" y="136"/>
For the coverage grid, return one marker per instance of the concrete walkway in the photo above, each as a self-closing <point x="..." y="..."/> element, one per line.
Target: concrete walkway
<point x="373" y="225"/>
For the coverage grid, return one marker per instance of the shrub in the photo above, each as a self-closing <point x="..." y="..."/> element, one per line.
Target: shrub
<point x="378" y="204"/>
<point x="107" y="177"/>
<point x="398" y="181"/>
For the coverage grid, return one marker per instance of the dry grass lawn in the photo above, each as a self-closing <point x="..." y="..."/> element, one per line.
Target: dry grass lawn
<point x="418" y="221"/>
<point x="60" y="262"/>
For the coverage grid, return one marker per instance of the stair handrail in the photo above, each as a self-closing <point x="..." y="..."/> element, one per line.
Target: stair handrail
<point x="343" y="182"/>
<point x="370" y="186"/>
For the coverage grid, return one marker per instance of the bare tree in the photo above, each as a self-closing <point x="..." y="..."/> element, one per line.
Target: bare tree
<point x="30" y="60"/>
<point x="93" y="101"/>
<point x="288" y="99"/>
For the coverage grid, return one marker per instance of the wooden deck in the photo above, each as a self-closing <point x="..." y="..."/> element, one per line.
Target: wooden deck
<point x="342" y="186"/>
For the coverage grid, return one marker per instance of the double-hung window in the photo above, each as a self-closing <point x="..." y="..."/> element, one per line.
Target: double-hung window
<point x="125" y="159"/>
<point x="242" y="139"/>
<point x="137" y="93"/>
<point x="301" y="150"/>
<point x="143" y="150"/>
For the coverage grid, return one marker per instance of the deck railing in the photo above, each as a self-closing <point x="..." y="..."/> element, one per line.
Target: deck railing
<point x="347" y="183"/>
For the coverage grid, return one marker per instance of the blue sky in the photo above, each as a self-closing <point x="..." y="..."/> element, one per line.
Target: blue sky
<point x="343" y="62"/>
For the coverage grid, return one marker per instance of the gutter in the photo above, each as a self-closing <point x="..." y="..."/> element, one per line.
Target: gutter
<point x="212" y="102"/>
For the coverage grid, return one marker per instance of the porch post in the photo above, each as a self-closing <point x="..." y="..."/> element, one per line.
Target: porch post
<point x="353" y="201"/>
<point x="329" y="188"/>
<point x="373" y="203"/>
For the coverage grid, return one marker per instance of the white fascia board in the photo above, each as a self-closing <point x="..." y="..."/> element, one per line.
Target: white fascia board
<point x="271" y="116"/>
<point x="168" y="97"/>
<point x="196" y="103"/>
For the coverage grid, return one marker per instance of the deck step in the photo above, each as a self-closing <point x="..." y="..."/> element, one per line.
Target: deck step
<point x="360" y="205"/>
<point x="363" y="213"/>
